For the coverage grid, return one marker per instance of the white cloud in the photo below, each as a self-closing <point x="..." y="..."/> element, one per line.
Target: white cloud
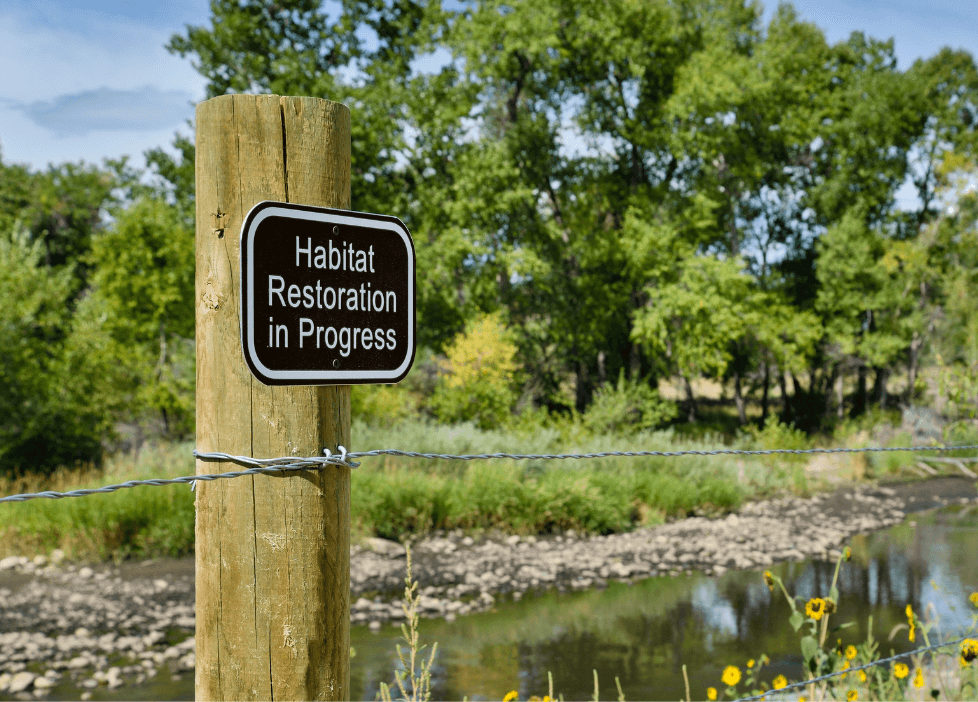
<point x="84" y="85"/>
<point x="108" y="109"/>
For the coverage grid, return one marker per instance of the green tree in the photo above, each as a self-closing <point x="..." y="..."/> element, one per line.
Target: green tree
<point x="62" y="207"/>
<point x="144" y="279"/>
<point x="49" y="411"/>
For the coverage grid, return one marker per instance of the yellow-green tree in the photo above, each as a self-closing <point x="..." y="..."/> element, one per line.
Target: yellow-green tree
<point x="478" y="383"/>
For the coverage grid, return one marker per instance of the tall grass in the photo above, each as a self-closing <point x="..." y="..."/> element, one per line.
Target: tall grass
<point x="143" y="521"/>
<point x="402" y="498"/>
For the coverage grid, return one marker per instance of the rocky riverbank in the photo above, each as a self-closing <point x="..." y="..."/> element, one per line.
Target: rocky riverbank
<point x="66" y="630"/>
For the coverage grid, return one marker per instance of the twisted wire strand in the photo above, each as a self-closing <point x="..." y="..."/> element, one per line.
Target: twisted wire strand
<point x="287" y="463"/>
<point x="258" y="465"/>
<point x="660" y="454"/>
<point x="874" y="664"/>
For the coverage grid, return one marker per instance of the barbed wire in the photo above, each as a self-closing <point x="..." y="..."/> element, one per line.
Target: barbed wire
<point x="290" y="463"/>
<point x="258" y="465"/>
<point x="874" y="664"/>
<point x="658" y="454"/>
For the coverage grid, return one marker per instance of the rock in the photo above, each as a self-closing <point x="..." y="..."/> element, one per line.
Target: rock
<point x="385" y="547"/>
<point x="374" y="625"/>
<point x="113" y="678"/>
<point x="40" y="561"/>
<point x="160" y="584"/>
<point x="86" y="572"/>
<point x="43" y="683"/>
<point x="57" y="555"/>
<point x="21" y="681"/>
<point x="4" y="681"/>
<point x="9" y="562"/>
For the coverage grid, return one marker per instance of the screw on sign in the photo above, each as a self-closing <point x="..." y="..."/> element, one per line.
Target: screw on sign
<point x="328" y="296"/>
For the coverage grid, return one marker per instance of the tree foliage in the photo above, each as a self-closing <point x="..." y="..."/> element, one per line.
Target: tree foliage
<point x="615" y="192"/>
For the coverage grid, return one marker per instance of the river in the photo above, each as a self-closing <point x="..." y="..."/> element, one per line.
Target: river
<point x="644" y="632"/>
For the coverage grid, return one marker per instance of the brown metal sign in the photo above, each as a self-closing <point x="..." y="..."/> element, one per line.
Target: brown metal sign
<point x="327" y="296"/>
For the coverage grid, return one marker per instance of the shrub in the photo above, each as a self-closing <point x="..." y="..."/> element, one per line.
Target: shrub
<point x="778" y="435"/>
<point x="478" y="382"/>
<point x="381" y="405"/>
<point x="627" y="407"/>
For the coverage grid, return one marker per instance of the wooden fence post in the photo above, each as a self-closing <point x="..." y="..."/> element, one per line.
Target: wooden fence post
<point x="272" y="550"/>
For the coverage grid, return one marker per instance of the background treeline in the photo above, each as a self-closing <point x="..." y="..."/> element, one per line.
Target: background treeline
<point x="602" y="195"/>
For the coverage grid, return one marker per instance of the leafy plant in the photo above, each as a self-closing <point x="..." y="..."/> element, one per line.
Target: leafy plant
<point x="478" y="376"/>
<point x="627" y="407"/>
<point x="414" y="670"/>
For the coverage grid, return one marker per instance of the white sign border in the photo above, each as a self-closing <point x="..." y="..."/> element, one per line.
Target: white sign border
<point x="275" y="209"/>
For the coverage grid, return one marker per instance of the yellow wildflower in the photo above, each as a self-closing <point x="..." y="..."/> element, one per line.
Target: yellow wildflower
<point x="511" y="695"/>
<point x="815" y="608"/>
<point x="862" y="676"/>
<point x="852" y="696"/>
<point x="711" y="693"/>
<point x="769" y="580"/>
<point x="910" y="621"/>
<point x="851" y="652"/>
<point x="969" y="651"/>
<point x="900" y="670"/>
<point x="546" y="698"/>
<point x="535" y="698"/>
<point x="847" y="554"/>
<point x="750" y="663"/>
<point x="845" y="666"/>
<point x="779" y="682"/>
<point x="918" y="678"/>
<point x="802" y="699"/>
<point x="731" y="675"/>
<point x="974" y="598"/>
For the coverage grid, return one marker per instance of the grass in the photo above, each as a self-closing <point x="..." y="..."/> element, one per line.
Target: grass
<point x="142" y="522"/>
<point x="403" y="499"/>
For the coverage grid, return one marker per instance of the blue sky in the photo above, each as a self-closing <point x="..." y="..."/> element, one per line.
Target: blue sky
<point x="88" y="79"/>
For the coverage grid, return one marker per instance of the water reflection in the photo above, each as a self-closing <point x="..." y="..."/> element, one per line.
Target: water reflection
<point x="644" y="633"/>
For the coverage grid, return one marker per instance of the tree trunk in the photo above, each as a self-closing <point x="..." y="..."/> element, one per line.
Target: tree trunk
<point x="879" y="387"/>
<point x="860" y="404"/>
<point x="634" y="363"/>
<point x="739" y="400"/>
<point x="764" y="395"/>
<point x="840" y="396"/>
<point x="829" y="379"/>
<point x="602" y="372"/>
<point x="583" y="387"/>
<point x="691" y="401"/>
<point x="785" y="400"/>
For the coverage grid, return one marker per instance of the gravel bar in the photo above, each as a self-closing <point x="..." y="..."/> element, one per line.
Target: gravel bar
<point x="108" y="625"/>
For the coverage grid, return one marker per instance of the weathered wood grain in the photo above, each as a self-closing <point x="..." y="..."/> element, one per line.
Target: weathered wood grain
<point x="273" y="571"/>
